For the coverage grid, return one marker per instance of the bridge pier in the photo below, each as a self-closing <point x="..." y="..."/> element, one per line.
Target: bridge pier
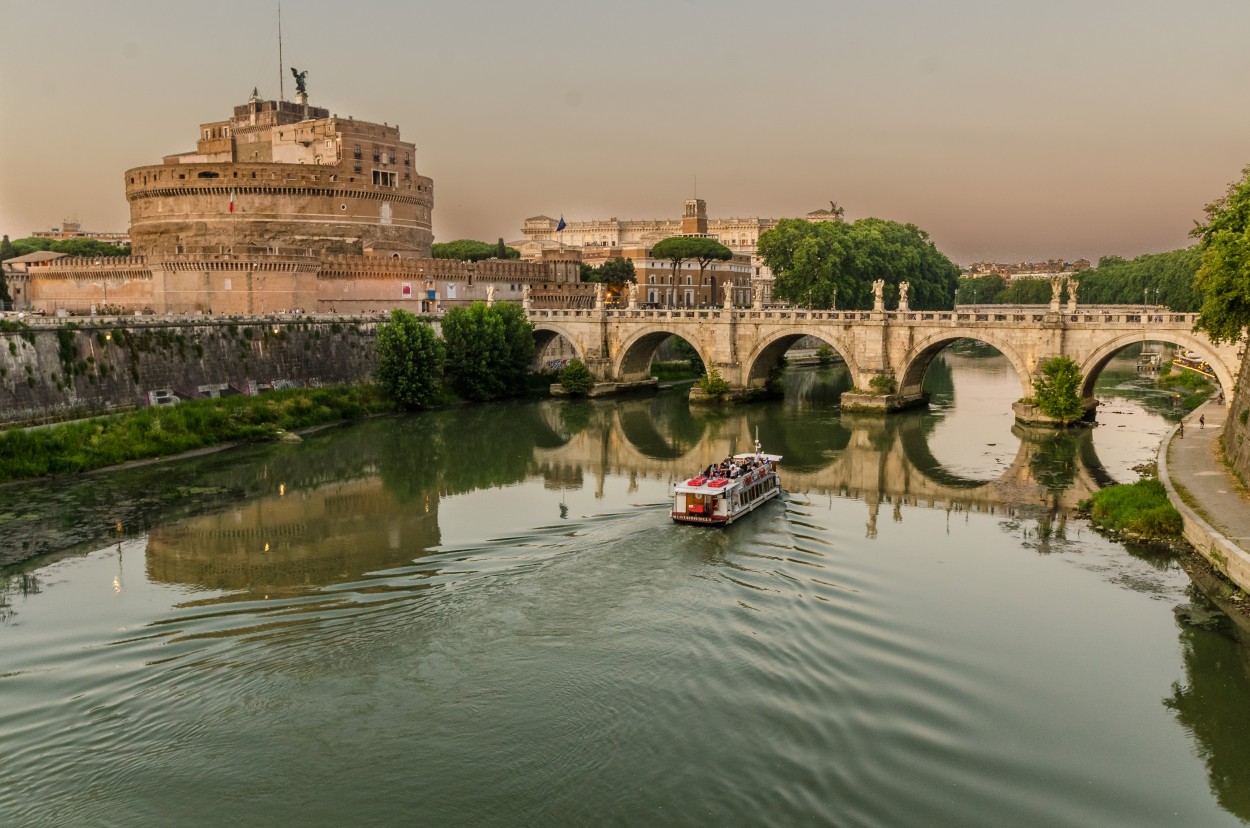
<point x="882" y="403"/>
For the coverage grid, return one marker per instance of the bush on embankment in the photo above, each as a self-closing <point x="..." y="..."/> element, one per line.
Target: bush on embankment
<point x="1140" y="509"/>
<point x="160" y="431"/>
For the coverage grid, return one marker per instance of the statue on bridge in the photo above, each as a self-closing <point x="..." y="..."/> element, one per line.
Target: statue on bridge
<point x="631" y="293"/>
<point x="490" y="295"/>
<point x="903" y="287"/>
<point x="878" y="294"/>
<point x="525" y="296"/>
<point x="1056" y="286"/>
<point x="1073" y="284"/>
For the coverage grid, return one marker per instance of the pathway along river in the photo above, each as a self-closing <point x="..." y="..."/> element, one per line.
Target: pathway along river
<point x="485" y="617"/>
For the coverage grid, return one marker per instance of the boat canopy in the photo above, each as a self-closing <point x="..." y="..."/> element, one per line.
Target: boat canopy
<point x="756" y="455"/>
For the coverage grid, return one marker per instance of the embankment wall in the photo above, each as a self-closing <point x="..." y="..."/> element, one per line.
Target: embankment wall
<point x="1236" y="435"/>
<point x="51" y="373"/>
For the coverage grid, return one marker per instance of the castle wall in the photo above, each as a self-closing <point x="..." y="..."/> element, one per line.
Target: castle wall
<point x="179" y="206"/>
<point x="51" y="373"/>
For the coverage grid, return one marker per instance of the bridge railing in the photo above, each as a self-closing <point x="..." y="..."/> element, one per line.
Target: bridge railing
<point x="1007" y="315"/>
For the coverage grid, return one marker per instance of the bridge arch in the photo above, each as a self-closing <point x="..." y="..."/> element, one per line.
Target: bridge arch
<point x="1093" y="365"/>
<point x="545" y="333"/>
<point x="633" y="357"/>
<point x="772" y="347"/>
<point x="916" y="361"/>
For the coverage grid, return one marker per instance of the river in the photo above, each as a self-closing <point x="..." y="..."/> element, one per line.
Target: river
<point x="485" y="617"/>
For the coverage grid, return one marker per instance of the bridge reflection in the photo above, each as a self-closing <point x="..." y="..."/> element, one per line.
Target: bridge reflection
<point x="367" y="498"/>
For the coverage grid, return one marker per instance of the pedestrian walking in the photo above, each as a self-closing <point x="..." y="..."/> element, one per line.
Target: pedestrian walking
<point x="1181" y="432"/>
<point x="1202" y="421"/>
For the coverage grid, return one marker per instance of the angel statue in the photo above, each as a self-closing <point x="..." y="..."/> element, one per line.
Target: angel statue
<point x="301" y="86"/>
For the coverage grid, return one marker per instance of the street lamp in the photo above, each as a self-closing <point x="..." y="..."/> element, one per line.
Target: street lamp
<point x="834" y="303"/>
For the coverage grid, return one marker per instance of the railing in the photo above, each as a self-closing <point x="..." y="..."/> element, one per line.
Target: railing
<point x="997" y="315"/>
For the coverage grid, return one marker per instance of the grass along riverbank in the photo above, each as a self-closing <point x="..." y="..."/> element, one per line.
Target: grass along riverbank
<point x="1139" y="510"/>
<point x="160" y="431"/>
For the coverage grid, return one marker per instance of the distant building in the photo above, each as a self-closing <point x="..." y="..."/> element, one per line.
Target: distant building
<point x="71" y="229"/>
<point x="1031" y="270"/>
<point x="740" y="235"/>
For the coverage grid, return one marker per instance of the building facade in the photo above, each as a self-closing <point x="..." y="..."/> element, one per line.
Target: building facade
<point x="598" y="237"/>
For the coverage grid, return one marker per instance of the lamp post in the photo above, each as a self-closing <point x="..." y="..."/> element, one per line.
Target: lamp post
<point x="834" y="303"/>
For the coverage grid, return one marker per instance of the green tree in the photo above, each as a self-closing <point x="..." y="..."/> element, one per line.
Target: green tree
<point x="470" y="250"/>
<point x="616" y="271"/>
<point x="979" y="290"/>
<point x="713" y="384"/>
<point x="410" y="360"/>
<point x="1056" y="389"/>
<point x="1223" y="279"/>
<point x="1155" y="278"/>
<point x="6" y="252"/>
<point x="575" y="378"/>
<point x="501" y="249"/>
<point x="489" y="349"/>
<point x="818" y="263"/>
<point x="699" y="248"/>
<point x="1027" y="292"/>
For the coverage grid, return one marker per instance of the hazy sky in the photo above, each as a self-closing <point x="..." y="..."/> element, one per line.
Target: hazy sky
<point x="1007" y="130"/>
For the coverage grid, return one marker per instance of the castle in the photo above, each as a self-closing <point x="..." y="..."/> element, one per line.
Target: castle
<point x="284" y="206"/>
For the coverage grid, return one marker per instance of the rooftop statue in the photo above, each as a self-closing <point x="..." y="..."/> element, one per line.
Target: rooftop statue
<point x="300" y="84"/>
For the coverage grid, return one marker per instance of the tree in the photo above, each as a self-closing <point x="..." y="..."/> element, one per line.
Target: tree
<point x="699" y="248"/>
<point x="1155" y="278"/>
<point x="819" y="263"/>
<point x="616" y="271"/>
<point x="713" y="384"/>
<point x="471" y="250"/>
<point x="979" y="290"/>
<point x="1223" y="279"/>
<point x="575" y="378"/>
<point x="410" y="360"/>
<point x="6" y="252"/>
<point x="1031" y="291"/>
<point x="1056" y="389"/>
<point x="501" y="249"/>
<point x="489" y="349"/>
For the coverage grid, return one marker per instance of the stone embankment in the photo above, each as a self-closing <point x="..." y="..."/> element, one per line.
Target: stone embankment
<point x="52" y="371"/>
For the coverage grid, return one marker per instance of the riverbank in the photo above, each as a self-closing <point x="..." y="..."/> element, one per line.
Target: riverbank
<point x="1213" y="503"/>
<point x="193" y="425"/>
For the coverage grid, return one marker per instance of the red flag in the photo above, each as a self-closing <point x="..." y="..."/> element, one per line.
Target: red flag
<point x="232" y="199"/>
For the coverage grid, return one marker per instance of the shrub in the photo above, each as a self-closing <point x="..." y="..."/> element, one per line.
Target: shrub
<point x="713" y="384"/>
<point x="575" y="378"/>
<point x="883" y="384"/>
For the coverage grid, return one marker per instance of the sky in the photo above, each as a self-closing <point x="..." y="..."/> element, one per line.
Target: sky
<point x="1006" y="130"/>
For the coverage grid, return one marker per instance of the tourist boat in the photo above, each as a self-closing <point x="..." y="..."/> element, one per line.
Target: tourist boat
<point x="1192" y="361"/>
<point x="720" y="499"/>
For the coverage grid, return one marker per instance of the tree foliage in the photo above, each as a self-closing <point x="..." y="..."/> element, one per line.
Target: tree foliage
<point x="1163" y="278"/>
<point x="410" y="360"/>
<point x="471" y="250"/>
<point x="815" y="263"/>
<point x="713" y="384"/>
<point x="70" y="247"/>
<point x="6" y="252"/>
<point x="612" y="272"/>
<point x="1029" y="291"/>
<point x="1056" y="389"/>
<point x="979" y="290"/>
<point x="1223" y="278"/>
<point x="489" y="350"/>
<point x="575" y="378"/>
<point x="701" y="249"/>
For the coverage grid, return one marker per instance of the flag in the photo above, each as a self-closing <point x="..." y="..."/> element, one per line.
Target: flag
<point x="232" y="199"/>
<point x="561" y="225"/>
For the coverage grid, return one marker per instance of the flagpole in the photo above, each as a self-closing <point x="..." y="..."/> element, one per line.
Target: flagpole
<point x="281" y="83"/>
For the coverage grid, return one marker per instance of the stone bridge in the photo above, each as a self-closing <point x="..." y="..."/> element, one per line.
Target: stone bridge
<point x="745" y="344"/>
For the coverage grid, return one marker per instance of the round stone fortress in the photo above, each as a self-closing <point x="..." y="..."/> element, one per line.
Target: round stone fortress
<point x="283" y="173"/>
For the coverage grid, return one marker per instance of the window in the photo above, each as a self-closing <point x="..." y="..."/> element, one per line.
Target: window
<point x="406" y="163"/>
<point x="356" y="155"/>
<point x="382" y="178"/>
